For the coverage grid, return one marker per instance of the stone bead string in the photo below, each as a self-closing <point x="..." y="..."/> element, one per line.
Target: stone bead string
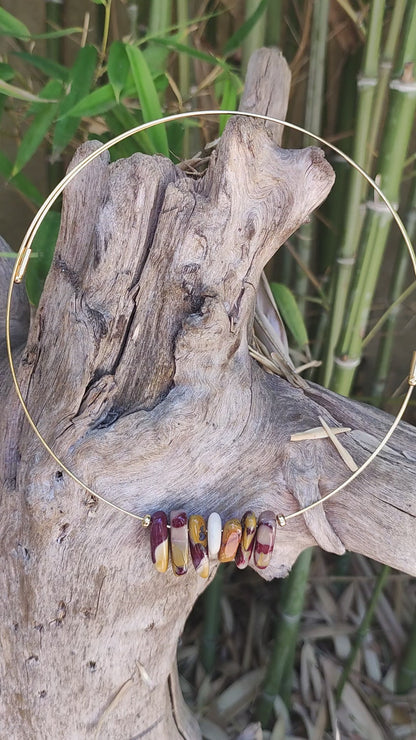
<point x="239" y="541"/>
<point x="200" y="541"/>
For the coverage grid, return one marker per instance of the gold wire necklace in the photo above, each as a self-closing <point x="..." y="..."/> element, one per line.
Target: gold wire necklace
<point x="204" y="541"/>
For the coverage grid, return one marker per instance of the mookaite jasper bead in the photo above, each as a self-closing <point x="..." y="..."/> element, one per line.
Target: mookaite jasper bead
<point x="179" y="542"/>
<point x="230" y="541"/>
<point x="249" y="524"/>
<point x="214" y="534"/>
<point x="159" y="543"/>
<point x="265" y="537"/>
<point x="198" y="542"/>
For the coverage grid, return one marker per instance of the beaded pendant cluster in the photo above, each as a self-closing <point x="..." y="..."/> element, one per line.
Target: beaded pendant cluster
<point x="200" y="541"/>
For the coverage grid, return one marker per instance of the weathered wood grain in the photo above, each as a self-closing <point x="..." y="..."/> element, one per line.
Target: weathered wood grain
<point x="138" y="373"/>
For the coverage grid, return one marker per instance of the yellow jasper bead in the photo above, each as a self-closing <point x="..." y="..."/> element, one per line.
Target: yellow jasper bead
<point x="249" y="525"/>
<point x="159" y="543"/>
<point x="198" y="543"/>
<point x="230" y="540"/>
<point x="265" y="537"/>
<point x="198" y="529"/>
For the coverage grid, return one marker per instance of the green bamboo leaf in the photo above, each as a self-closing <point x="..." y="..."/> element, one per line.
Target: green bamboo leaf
<point x="43" y="247"/>
<point x="118" y="67"/>
<point x="291" y="314"/>
<point x="227" y="91"/>
<point x="6" y="71"/>
<point x="120" y="119"/>
<point x="148" y="98"/>
<point x="235" y="40"/>
<point x="47" y="66"/>
<point x="11" y="26"/>
<point x="56" y="34"/>
<point x="81" y="78"/>
<point x="156" y="59"/>
<point x="20" y="181"/>
<point x="17" y="92"/>
<point x="176" y="132"/>
<point x="161" y="82"/>
<point x="97" y="102"/>
<point x="51" y="92"/>
<point x="43" y="117"/>
<point x="171" y="43"/>
<point x="125" y="148"/>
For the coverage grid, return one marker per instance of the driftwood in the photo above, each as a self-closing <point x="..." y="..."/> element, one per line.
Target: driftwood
<point x="137" y="371"/>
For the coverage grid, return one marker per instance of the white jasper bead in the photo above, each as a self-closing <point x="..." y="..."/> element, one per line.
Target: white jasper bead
<point x="214" y="534"/>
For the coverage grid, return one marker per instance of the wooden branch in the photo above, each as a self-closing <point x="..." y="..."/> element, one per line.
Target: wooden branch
<point x="19" y="324"/>
<point x="137" y="371"/>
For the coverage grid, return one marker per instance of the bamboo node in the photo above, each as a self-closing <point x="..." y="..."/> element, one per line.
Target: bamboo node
<point x="366" y="81"/>
<point x="347" y="363"/>
<point x="345" y="260"/>
<point x="403" y="86"/>
<point x="380" y="206"/>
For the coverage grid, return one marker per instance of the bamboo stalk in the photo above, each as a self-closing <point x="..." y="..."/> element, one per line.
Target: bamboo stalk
<point x="406" y="676"/>
<point x="184" y="60"/>
<point x="335" y="203"/>
<point x="352" y="226"/>
<point x="54" y="18"/>
<point x="362" y="631"/>
<point x="133" y="15"/>
<point x="255" y="39"/>
<point x="160" y="19"/>
<point x="399" y="277"/>
<point x="184" y="66"/>
<point x="212" y="619"/>
<point x="334" y="206"/>
<point x="393" y="308"/>
<point x="273" y="31"/>
<point x="54" y="51"/>
<point x="330" y="232"/>
<point x="160" y="16"/>
<point x="313" y="118"/>
<point x="287" y="627"/>
<point x="106" y="31"/>
<point x="399" y="125"/>
<point x="385" y="68"/>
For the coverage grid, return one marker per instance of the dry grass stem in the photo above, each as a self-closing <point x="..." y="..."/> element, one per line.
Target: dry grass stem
<point x="317" y="433"/>
<point x="347" y="458"/>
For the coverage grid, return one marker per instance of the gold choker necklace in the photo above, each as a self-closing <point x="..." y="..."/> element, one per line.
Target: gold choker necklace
<point x="242" y="541"/>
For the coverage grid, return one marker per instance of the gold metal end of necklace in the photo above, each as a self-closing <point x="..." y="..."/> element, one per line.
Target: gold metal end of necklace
<point x="281" y="520"/>
<point x="146" y="521"/>
<point x="412" y="376"/>
<point x="22" y="262"/>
